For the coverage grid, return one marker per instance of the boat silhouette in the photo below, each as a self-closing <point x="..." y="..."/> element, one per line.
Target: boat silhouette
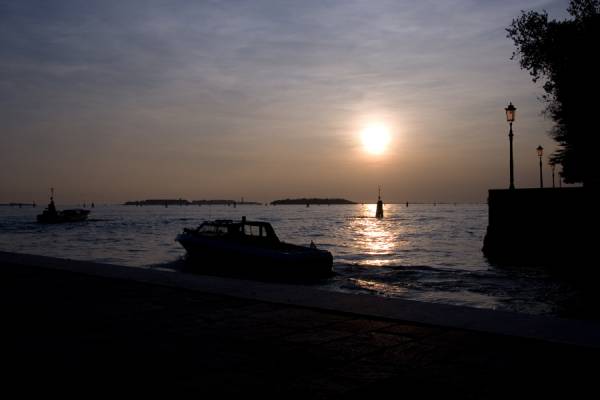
<point x="252" y="248"/>
<point x="51" y="215"/>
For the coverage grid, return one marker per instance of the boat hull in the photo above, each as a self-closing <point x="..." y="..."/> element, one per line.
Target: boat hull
<point x="278" y="260"/>
<point x="73" y="215"/>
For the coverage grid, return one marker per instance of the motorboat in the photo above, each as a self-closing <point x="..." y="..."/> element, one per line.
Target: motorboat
<point x="252" y="248"/>
<point x="51" y="215"/>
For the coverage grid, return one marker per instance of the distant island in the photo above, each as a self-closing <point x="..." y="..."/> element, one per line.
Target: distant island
<point x="224" y="202"/>
<point x="182" y="202"/>
<point x="311" y="201"/>
<point x="13" y="204"/>
<point x="158" y="202"/>
<point x="220" y="202"/>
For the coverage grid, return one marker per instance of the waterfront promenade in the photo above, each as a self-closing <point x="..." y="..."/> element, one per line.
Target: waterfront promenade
<point x="83" y="328"/>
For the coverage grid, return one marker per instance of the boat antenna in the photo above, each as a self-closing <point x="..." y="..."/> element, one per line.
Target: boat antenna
<point x="51" y="193"/>
<point x="379" y="194"/>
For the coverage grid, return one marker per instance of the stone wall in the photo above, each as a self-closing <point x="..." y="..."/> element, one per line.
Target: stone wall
<point x="545" y="226"/>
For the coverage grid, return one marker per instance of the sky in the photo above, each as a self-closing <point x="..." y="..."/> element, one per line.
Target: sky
<point x="109" y="101"/>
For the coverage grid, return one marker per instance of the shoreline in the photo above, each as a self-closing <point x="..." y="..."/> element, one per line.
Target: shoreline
<point x="545" y="328"/>
<point x="72" y="327"/>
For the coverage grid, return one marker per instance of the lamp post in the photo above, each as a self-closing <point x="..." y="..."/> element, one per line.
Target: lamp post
<point x="553" y="168"/>
<point x="510" y="117"/>
<point x="540" y="153"/>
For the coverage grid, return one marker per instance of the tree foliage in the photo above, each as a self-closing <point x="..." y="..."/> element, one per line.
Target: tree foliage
<point x="564" y="56"/>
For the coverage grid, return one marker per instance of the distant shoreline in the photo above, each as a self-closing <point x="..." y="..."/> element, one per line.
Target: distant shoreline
<point x="317" y="201"/>
<point x="14" y="204"/>
<point x="182" y="202"/>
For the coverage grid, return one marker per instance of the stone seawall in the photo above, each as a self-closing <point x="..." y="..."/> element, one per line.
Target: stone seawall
<point x="547" y="226"/>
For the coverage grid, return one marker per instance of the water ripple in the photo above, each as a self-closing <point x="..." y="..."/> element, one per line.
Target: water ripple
<point x="419" y="252"/>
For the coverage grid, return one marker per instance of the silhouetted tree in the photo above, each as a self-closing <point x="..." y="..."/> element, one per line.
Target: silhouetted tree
<point x="564" y="54"/>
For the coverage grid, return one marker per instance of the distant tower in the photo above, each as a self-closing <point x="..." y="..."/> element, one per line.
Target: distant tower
<point x="379" y="212"/>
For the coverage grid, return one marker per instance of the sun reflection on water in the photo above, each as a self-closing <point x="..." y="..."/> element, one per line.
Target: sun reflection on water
<point x="377" y="239"/>
<point x="380" y="288"/>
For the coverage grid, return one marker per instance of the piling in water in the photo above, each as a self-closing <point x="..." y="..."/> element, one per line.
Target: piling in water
<point x="379" y="212"/>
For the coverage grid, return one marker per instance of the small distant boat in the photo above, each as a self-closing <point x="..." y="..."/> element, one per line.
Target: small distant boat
<point x="51" y="215"/>
<point x="252" y="248"/>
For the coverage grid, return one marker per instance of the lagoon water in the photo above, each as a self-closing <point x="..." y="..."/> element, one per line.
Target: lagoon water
<point x="420" y="252"/>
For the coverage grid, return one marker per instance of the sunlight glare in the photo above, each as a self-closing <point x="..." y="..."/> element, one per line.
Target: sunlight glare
<point x="375" y="139"/>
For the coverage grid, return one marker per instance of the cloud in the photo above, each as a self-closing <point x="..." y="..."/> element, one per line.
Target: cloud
<point x="250" y="83"/>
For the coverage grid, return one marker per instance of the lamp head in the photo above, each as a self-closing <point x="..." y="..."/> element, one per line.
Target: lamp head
<point x="510" y="112"/>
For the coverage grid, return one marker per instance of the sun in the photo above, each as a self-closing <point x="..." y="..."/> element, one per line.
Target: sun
<point x="375" y="139"/>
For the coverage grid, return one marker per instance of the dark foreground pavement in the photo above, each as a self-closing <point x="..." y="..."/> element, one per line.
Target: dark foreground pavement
<point x="69" y="333"/>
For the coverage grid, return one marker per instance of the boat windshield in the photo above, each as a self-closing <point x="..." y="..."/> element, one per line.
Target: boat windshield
<point x="213" y="229"/>
<point x="253" y="230"/>
<point x="261" y="230"/>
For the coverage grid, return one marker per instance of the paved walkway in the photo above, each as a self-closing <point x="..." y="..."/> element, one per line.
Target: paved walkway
<point x="69" y="332"/>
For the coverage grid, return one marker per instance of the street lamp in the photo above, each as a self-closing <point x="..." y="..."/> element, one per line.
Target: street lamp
<point x="510" y="117"/>
<point x="540" y="153"/>
<point x="553" y="168"/>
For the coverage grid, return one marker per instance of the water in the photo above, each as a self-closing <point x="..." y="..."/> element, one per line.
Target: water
<point x="421" y="252"/>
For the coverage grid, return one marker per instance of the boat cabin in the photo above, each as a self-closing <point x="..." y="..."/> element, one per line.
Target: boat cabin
<point x="249" y="230"/>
